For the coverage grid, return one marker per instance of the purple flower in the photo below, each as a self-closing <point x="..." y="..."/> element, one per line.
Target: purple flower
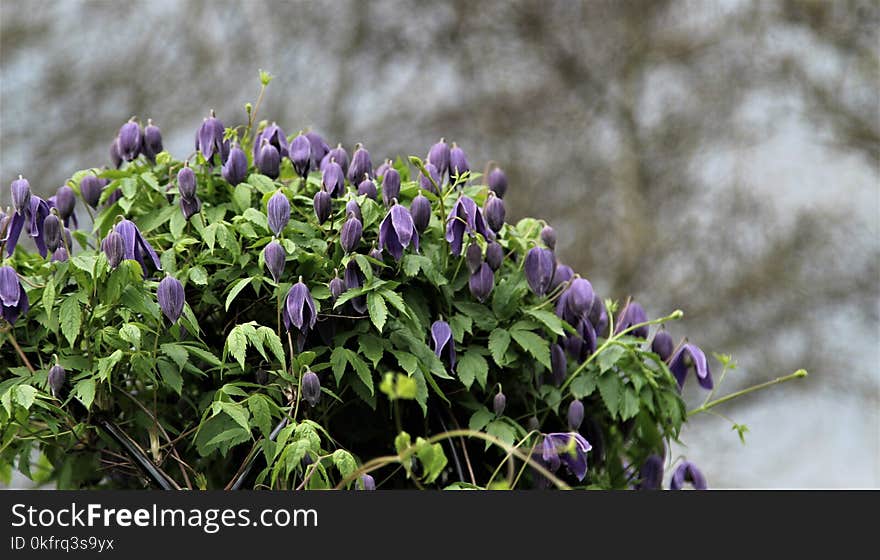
<point x="152" y="140"/>
<point x="368" y="187"/>
<point x="494" y="255"/>
<point x="438" y="155"/>
<point x="558" y="365"/>
<point x="337" y="288"/>
<point x="60" y="255"/>
<point x="420" y="208"/>
<point x="426" y="183"/>
<point x="333" y="179"/>
<point x="575" y="415"/>
<point x="497" y="181"/>
<point x="380" y="171"/>
<point x="482" y="282"/>
<point x="539" y="268"/>
<point x="663" y="345"/>
<point x="52" y="232"/>
<point x="548" y="236"/>
<point x="56" y="378"/>
<point x="632" y="314"/>
<point x="136" y="245"/>
<point x="323" y="206"/>
<point x="275" y="137"/>
<point x="689" y="355"/>
<point x="311" y="388"/>
<point x="360" y="164"/>
<point x="397" y="231"/>
<point x="579" y="296"/>
<point x="444" y="345"/>
<point x="269" y="160"/>
<point x="495" y="212"/>
<point x="651" y="473"/>
<point x="352" y="207"/>
<point x="114" y="248"/>
<point x="13" y="299"/>
<point x="473" y="256"/>
<point x="209" y="139"/>
<point x="458" y="163"/>
<point x="275" y="257"/>
<point x="350" y="236"/>
<point x="465" y="217"/>
<point x="390" y="186"/>
<point x="186" y="182"/>
<point x="339" y="155"/>
<point x="569" y="449"/>
<point x="687" y="472"/>
<point x="190" y="206"/>
<point x="583" y="344"/>
<point x="598" y="316"/>
<point x="236" y="167"/>
<point x="563" y="274"/>
<point x="32" y="218"/>
<point x="354" y="278"/>
<point x="499" y="403"/>
<point x="115" y="156"/>
<point x="318" y="148"/>
<point x="65" y="202"/>
<point x="91" y="187"/>
<point x="299" y="309"/>
<point x="21" y="194"/>
<point x="300" y="153"/>
<point x="278" y="211"/>
<point x="171" y="298"/>
<point x="129" y="140"/>
<point x="367" y="482"/>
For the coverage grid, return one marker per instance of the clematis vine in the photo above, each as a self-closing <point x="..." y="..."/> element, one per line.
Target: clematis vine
<point x="687" y="472"/>
<point x="569" y="449"/>
<point x="136" y="247"/>
<point x="398" y="231"/>
<point x="465" y="218"/>
<point x="444" y="345"/>
<point x="690" y="356"/>
<point x="13" y="298"/>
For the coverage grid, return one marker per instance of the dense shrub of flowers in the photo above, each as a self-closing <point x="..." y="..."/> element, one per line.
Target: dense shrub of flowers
<point x="276" y="311"/>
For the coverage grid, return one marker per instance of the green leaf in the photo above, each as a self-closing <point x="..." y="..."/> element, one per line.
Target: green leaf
<point x="499" y="340"/>
<point x="378" y="310"/>
<point x="610" y="356"/>
<point x="534" y="345"/>
<point x="170" y="374"/>
<point x="131" y="334"/>
<point x="338" y="361"/>
<point x="609" y="388"/>
<point x="273" y="342"/>
<point x="178" y="222"/>
<point x="236" y="344"/>
<point x="86" y="263"/>
<point x="362" y="369"/>
<point x="150" y="180"/>
<point x="501" y="430"/>
<point x="583" y="385"/>
<point x="25" y="395"/>
<point x="407" y="361"/>
<point x="71" y="319"/>
<point x="236" y="289"/>
<point x="471" y="366"/>
<point x="629" y="403"/>
<point x="48" y="299"/>
<point x="260" y="410"/>
<point x="371" y="347"/>
<point x="344" y="462"/>
<point x="106" y="364"/>
<point x="481" y="418"/>
<point x="175" y="352"/>
<point x="550" y="320"/>
<point x="395" y="300"/>
<point x="199" y="275"/>
<point x="460" y="325"/>
<point x="84" y="391"/>
<point x="235" y="411"/>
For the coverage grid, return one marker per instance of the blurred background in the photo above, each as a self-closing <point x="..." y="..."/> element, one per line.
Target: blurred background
<point x="722" y="157"/>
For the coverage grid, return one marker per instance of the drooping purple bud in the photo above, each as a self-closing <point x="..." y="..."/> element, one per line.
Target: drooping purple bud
<point x="563" y="274"/>
<point x="91" y="187"/>
<point x="495" y="212"/>
<point x="651" y="473"/>
<point x="420" y="209"/>
<point x="499" y="403"/>
<point x="473" y="256"/>
<point x="129" y="140"/>
<point x="60" y="254"/>
<point x="115" y="156"/>
<point x="598" y="316"/>
<point x="114" y="248"/>
<point x="663" y="345"/>
<point x="136" y="246"/>
<point x="269" y="162"/>
<point x="532" y="424"/>
<point x="337" y="287"/>
<point x="397" y="231"/>
<point x="558" y="365"/>
<point x="323" y="205"/>
<point x="580" y="296"/>
<point x="548" y="236"/>
<point x="497" y="181"/>
<point x="350" y="236"/>
<point x="340" y="156"/>
<point x="539" y="268"/>
<point x="360" y="165"/>
<point x="186" y="182"/>
<point x="632" y="315"/>
<point x="376" y="254"/>
<point x="319" y="148"/>
<point x="274" y="136"/>
<point x="13" y="298"/>
<point x="438" y="155"/>
<point x="482" y="282"/>
<point x="354" y="279"/>
<point x="494" y="255"/>
<point x="300" y="153"/>
<point x="171" y="298"/>
<point x="367" y="482"/>
<point x="236" y="167"/>
<point x="190" y="206"/>
<point x="444" y="345"/>
<point x="299" y="309"/>
<point x="690" y="356"/>
<point x="575" y="415"/>
<point x="278" y="211"/>
<point x="21" y="194"/>
<point x="333" y="179"/>
<point x="209" y="139"/>
<point x="458" y="163"/>
<point x="56" y="377"/>
<point x="352" y="207"/>
<point x="434" y="174"/>
<point x="687" y="472"/>
<point x="311" y="388"/>
<point x="152" y="140"/>
<point x="275" y="257"/>
<point x="380" y="171"/>
<point x="390" y="186"/>
<point x="52" y="232"/>
<point x="465" y="217"/>
<point x="368" y="187"/>
<point x="65" y="202"/>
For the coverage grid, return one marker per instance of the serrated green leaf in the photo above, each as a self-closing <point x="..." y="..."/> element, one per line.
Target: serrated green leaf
<point x="610" y="356"/>
<point x="48" y="298"/>
<point x="371" y="347"/>
<point x="260" y="410"/>
<point x="175" y="352"/>
<point x="198" y="275"/>
<point x="344" y="462"/>
<point x="170" y="374"/>
<point x="609" y="388"/>
<point x="481" y="418"/>
<point x="338" y="361"/>
<point x="584" y="385"/>
<point x="548" y="319"/>
<point x="472" y="366"/>
<point x="25" y="395"/>
<point x="534" y="345"/>
<point x="70" y="317"/>
<point x="236" y="289"/>
<point x="236" y="344"/>
<point x="378" y="310"/>
<point x="499" y="341"/>
<point x="629" y="403"/>
<point x="84" y="391"/>
<point x="273" y="342"/>
<point x="501" y="430"/>
<point x="131" y="334"/>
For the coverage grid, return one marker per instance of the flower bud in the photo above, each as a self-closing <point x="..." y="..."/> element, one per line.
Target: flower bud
<point x="558" y="365"/>
<point x="651" y="473"/>
<point x="532" y="424"/>
<point x="186" y="182"/>
<point x="65" y="201"/>
<point x="129" y="140"/>
<point x="473" y="256"/>
<point x="494" y="255"/>
<point x="539" y="268"/>
<point x="354" y="278"/>
<point x="351" y="207"/>
<point x="269" y="162"/>
<point x="21" y="194"/>
<point x="337" y="287"/>
<point x="115" y="156"/>
<point x="236" y="167"/>
<point x="57" y="376"/>
<point x="663" y="345"/>
<point x="52" y="232"/>
<point x="438" y="155"/>
<point x="633" y="314"/>
<point x="209" y="140"/>
<point x="91" y="187"/>
<point x="380" y="171"/>
<point x="548" y="236"/>
<point x="190" y="206"/>
<point x="575" y="415"/>
<point x="687" y="472"/>
<point x="323" y="205"/>
<point x="360" y="165"/>
<point x="171" y="298"/>
<point x="390" y="186"/>
<point x="275" y="257"/>
<point x="311" y="388"/>
<point x="333" y="179"/>
<point x="482" y="282"/>
<point x="497" y="181"/>
<point x="367" y="482"/>
<point x="275" y="137"/>
<point x="152" y="140"/>
<point x="368" y="187"/>
<point x="499" y="403"/>
<point x="60" y="254"/>
<point x="319" y="148"/>
<point x="278" y="211"/>
<point x="434" y="174"/>
<point x="339" y="155"/>
<point x="443" y="343"/>
<point x="458" y="163"/>
<point x="494" y="212"/>
<point x="13" y="297"/>
<point x="114" y="248"/>
<point x="580" y="296"/>
<point x="261" y="376"/>
<point x="350" y="236"/>
<point x="420" y="208"/>
<point x="376" y="254"/>
<point x="563" y="274"/>
<point x="300" y="153"/>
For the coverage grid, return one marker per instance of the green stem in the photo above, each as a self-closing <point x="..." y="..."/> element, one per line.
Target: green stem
<point x="798" y="374"/>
